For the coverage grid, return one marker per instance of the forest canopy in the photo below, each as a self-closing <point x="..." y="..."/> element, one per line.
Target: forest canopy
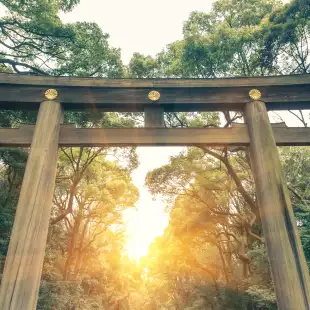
<point x="212" y="254"/>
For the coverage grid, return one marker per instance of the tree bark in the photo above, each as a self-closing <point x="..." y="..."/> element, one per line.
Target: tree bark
<point x="23" y="266"/>
<point x="288" y="265"/>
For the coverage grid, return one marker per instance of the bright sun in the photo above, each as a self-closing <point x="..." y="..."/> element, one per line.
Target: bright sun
<point x="149" y="219"/>
<point x="143" y="226"/>
<point x="137" y="247"/>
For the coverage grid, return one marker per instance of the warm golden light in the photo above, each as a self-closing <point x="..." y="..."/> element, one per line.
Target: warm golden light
<point x="149" y="220"/>
<point x="137" y="247"/>
<point x="143" y="226"/>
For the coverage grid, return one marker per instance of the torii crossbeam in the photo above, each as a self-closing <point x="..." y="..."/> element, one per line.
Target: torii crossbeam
<point x="253" y="96"/>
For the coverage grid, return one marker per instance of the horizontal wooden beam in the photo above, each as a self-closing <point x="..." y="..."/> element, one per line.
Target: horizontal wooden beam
<point x="172" y="99"/>
<point x="281" y="80"/>
<point x="70" y="136"/>
<point x="282" y="92"/>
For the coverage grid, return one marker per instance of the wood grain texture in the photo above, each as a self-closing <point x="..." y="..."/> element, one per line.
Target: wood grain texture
<point x="237" y="135"/>
<point x="288" y="265"/>
<point x="26" y="92"/>
<point x="16" y="79"/>
<point x="154" y="117"/>
<point x="23" y="266"/>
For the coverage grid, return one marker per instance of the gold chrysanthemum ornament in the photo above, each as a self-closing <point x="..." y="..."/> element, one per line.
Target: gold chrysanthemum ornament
<point x="51" y="94"/>
<point x="154" y="95"/>
<point x="255" y="94"/>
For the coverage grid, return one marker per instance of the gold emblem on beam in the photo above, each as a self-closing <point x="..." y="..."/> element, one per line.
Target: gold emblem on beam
<point x="255" y="94"/>
<point x="154" y="95"/>
<point x="51" y="94"/>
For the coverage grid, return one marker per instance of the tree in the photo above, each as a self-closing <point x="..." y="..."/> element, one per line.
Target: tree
<point x="12" y="167"/>
<point x="228" y="41"/>
<point x="296" y="162"/>
<point x="212" y="254"/>
<point x="33" y="40"/>
<point x="231" y="40"/>
<point x="213" y="210"/>
<point x="91" y="193"/>
<point x="141" y="66"/>
<point x="287" y="38"/>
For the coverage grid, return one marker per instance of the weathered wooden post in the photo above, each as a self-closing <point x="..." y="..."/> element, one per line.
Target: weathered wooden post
<point x="288" y="265"/>
<point x="154" y="115"/>
<point x="23" y="266"/>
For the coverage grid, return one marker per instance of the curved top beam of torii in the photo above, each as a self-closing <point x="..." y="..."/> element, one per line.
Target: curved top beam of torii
<point x="76" y="93"/>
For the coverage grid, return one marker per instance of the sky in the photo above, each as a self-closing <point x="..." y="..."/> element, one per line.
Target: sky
<point x="138" y="25"/>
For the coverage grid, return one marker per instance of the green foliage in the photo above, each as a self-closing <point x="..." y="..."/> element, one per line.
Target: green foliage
<point x="33" y="40"/>
<point x="262" y="298"/>
<point x="12" y="165"/>
<point x="296" y="162"/>
<point x="287" y="38"/>
<point x="228" y="41"/>
<point x="237" y="38"/>
<point x="62" y="296"/>
<point x="142" y="66"/>
<point x="193" y="262"/>
<point x="212" y="254"/>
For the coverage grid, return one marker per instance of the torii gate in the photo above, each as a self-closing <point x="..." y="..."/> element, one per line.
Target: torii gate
<point x="23" y="266"/>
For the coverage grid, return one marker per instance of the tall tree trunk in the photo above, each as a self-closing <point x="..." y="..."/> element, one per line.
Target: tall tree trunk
<point x="71" y="246"/>
<point x="80" y="250"/>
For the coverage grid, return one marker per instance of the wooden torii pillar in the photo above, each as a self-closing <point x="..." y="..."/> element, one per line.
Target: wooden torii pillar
<point x="288" y="265"/>
<point x="24" y="261"/>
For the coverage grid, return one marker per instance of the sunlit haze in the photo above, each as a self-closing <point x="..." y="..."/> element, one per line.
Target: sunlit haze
<point x="193" y="215"/>
<point x="145" y="27"/>
<point x="150" y="219"/>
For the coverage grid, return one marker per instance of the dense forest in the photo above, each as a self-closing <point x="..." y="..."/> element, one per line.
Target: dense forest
<point x="212" y="254"/>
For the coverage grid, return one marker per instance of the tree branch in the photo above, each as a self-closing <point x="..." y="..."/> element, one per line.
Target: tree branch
<point x="16" y="63"/>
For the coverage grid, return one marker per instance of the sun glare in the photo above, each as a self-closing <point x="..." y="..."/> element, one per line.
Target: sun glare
<point x="149" y="219"/>
<point x="143" y="226"/>
<point x="137" y="247"/>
